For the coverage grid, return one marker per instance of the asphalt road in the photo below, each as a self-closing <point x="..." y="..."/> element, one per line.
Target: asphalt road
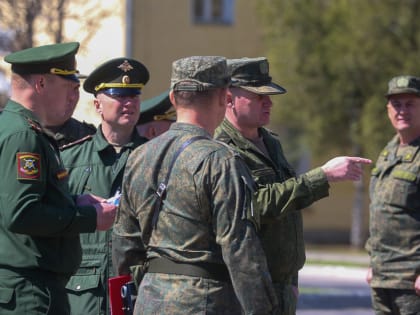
<point x="333" y="290"/>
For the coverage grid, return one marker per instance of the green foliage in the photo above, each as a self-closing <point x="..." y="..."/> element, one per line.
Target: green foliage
<point x="335" y="58"/>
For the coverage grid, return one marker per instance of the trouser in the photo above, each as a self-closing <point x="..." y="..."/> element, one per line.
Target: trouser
<point x="286" y="297"/>
<point x="32" y="293"/>
<point x="395" y="301"/>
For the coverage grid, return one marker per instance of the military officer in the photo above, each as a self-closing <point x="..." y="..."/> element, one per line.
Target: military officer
<point x="280" y="192"/>
<point x="183" y="207"/>
<point x="157" y="115"/>
<point x="96" y="165"/>
<point x="394" y="242"/>
<point x="40" y="220"/>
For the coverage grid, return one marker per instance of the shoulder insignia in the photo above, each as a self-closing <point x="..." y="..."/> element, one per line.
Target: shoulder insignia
<point x="271" y="132"/>
<point x="28" y="165"/>
<point x="72" y="144"/>
<point x="34" y="125"/>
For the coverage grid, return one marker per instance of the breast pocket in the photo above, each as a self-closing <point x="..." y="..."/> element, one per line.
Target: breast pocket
<point x="405" y="189"/>
<point x="86" y="278"/>
<point x="264" y="176"/>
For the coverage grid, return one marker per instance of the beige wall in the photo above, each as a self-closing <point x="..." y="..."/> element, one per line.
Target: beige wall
<point x="163" y="31"/>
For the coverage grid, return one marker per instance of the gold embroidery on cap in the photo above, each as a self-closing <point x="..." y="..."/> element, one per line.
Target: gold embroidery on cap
<point x="125" y="66"/>
<point x="264" y="67"/>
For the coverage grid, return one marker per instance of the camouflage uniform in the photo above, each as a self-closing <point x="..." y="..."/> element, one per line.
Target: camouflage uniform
<point x="203" y="219"/>
<point x="279" y="194"/>
<point x="394" y="243"/>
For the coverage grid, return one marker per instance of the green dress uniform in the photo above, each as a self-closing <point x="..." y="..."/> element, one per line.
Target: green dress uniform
<point x="394" y="243"/>
<point x="202" y="221"/>
<point x="279" y="194"/>
<point x="94" y="167"/>
<point x="40" y="222"/>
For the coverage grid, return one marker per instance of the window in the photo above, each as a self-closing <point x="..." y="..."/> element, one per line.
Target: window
<point x="213" y="11"/>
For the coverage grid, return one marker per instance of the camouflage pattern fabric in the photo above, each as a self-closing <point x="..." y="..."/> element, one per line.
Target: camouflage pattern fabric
<point x="395" y="301"/>
<point x="394" y="243"/>
<point x="278" y="197"/>
<point x="203" y="219"/>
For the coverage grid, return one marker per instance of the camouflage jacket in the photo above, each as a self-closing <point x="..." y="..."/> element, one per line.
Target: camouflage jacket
<point x="202" y="219"/>
<point x="280" y="193"/>
<point x="394" y="242"/>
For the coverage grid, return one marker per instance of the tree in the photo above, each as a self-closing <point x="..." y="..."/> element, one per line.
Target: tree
<point x="25" y="23"/>
<point x="33" y="22"/>
<point x="336" y="57"/>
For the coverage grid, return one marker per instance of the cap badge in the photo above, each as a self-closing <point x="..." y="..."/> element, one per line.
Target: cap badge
<point x="125" y="79"/>
<point x="264" y="67"/>
<point x="125" y="66"/>
<point x="402" y="82"/>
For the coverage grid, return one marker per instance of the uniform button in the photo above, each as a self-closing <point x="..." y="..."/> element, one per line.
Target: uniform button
<point x="78" y="287"/>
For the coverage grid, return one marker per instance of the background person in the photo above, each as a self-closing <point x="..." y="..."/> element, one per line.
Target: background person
<point x="199" y="247"/>
<point x="40" y="220"/>
<point x="96" y="165"/>
<point x="157" y="115"/>
<point x="280" y="192"/>
<point x="394" y="242"/>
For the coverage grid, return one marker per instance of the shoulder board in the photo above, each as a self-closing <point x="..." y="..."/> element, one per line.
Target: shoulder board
<point x="77" y="142"/>
<point x="34" y="125"/>
<point x="271" y="132"/>
<point x="89" y="125"/>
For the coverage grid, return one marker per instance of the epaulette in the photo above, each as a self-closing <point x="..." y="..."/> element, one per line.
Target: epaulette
<point x="34" y="125"/>
<point x="77" y="142"/>
<point x="271" y="132"/>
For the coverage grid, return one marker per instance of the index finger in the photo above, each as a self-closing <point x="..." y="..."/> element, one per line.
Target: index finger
<point x="360" y="160"/>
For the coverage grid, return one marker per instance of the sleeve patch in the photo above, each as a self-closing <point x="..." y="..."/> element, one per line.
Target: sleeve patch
<point x="28" y="165"/>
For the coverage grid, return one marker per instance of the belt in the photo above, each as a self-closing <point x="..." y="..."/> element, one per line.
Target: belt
<point x="201" y="269"/>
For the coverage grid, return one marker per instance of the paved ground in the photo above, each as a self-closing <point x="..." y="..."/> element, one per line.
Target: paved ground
<point x="335" y="287"/>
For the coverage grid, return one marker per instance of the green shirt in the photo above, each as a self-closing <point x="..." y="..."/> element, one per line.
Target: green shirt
<point x="95" y="167"/>
<point x="40" y="223"/>
<point x="394" y="242"/>
<point x="279" y="194"/>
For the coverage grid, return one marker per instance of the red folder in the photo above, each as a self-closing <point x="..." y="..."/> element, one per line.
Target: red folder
<point x="114" y="289"/>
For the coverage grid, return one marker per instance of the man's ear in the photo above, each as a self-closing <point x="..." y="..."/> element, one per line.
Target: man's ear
<point x="98" y="105"/>
<point x="172" y="98"/>
<point x="229" y="98"/>
<point x="40" y="83"/>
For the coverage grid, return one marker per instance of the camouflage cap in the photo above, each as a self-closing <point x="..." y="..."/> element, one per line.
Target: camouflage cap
<point x="252" y="74"/>
<point x="199" y="73"/>
<point x="157" y="108"/>
<point x="119" y="76"/>
<point x="404" y="84"/>
<point x="56" y="59"/>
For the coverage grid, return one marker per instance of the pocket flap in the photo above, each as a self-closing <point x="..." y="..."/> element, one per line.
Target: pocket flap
<point x="6" y="295"/>
<point x="82" y="283"/>
<point x="405" y="175"/>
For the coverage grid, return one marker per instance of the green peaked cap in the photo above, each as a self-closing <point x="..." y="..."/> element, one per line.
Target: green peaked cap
<point x="56" y="59"/>
<point x="157" y="108"/>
